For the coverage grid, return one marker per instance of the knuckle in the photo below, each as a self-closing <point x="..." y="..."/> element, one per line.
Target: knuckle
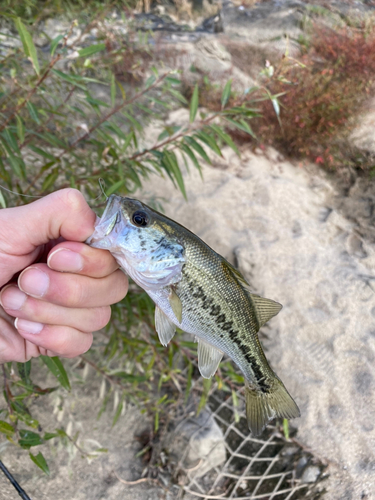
<point x="73" y="198"/>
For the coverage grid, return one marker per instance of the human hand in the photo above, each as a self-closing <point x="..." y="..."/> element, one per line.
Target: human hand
<point x="55" y="311"/>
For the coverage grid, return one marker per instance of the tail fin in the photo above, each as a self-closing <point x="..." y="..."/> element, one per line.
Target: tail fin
<point x="263" y="407"/>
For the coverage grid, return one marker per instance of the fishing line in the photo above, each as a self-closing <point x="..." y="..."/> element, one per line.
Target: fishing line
<point x="20" y="194"/>
<point x="22" y="493"/>
<point x="102" y="186"/>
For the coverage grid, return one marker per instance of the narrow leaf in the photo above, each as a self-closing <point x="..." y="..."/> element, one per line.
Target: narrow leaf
<point x="50" y="179"/>
<point x="91" y="50"/>
<point x="40" y="461"/>
<point x="225" y="137"/>
<point x="33" y="112"/>
<point x="198" y="148"/>
<point x="24" y="370"/>
<point x="57" y="369"/>
<point x="194" y="104"/>
<point x="210" y="141"/>
<point x="2" y="200"/>
<point x="226" y="93"/>
<point x="113" y="90"/>
<point x="20" y="129"/>
<point x="6" y="428"/>
<point x="55" y="43"/>
<point x="115" y="187"/>
<point x="28" y="44"/>
<point x="192" y="157"/>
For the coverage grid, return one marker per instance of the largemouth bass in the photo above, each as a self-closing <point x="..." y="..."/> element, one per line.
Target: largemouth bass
<point x="197" y="290"/>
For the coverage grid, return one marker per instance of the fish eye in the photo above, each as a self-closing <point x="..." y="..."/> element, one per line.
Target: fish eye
<point x="140" y="219"/>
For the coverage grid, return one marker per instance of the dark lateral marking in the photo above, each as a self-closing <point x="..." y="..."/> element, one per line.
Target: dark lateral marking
<point x="215" y="310"/>
<point x="246" y="351"/>
<point x="207" y="303"/>
<point x="199" y="293"/>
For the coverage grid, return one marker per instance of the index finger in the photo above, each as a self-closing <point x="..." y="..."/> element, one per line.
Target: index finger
<point x="78" y="258"/>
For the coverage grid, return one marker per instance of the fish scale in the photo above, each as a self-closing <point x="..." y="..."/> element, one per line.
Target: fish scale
<point x="197" y="290"/>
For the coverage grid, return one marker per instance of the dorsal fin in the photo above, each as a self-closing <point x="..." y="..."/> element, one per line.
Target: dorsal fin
<point x="265" y="309"/>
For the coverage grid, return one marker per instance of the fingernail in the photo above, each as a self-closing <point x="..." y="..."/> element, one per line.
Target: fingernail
<point x="25" y="326"/>
<point x="34" y="282"/>
<point x="12" y="298"/>
<point x="63" y="259"/>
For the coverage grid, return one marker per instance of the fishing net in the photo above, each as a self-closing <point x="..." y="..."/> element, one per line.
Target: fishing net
<point x="266" y="467"/>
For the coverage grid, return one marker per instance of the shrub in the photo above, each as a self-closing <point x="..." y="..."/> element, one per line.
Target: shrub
<point x="319" y="98"/>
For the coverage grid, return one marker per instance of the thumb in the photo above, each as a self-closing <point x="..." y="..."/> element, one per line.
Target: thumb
<point x="63" y="213"/>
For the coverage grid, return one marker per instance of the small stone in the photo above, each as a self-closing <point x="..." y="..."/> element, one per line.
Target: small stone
<point x="310" y="474"/>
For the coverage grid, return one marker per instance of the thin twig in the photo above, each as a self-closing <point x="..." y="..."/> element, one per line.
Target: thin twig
<point x="139" y="481"/>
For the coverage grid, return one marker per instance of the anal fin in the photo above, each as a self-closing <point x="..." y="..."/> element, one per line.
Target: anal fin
<point x="208" y="358"/>
<point x="164" y="326"/>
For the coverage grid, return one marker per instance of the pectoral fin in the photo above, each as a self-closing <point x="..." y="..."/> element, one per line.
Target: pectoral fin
<point x="164" y="326"/>
<point x="265" y="308"/>
<point x="208" y="359"/>
<point x="175" y="304"/>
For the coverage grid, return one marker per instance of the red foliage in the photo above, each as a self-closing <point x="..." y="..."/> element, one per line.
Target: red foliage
<point x="338" y="72"/>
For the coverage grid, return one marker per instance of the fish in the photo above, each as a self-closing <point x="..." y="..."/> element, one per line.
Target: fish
<point x="197" y="290"/>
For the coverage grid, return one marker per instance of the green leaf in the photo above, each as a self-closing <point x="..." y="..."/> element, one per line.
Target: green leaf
<point x="24" y="370"/>
<point x="2" y="200"/>
<point x="6" y="428"/>
<point x="178" y="95"/>
<point x="29" y="438"/>
<point x="172" y="80"/>
<point x="226" y="93"/>
<point x="242" y="126"/>
<point x="40" y="461"/>
<point x="43" y="153"/>
<point x="20" y="129"/>
<point x="192" y="157"/>
<point x="194" y="104"/>
<point x="91" y="50"/>
<point x="210" y="141"/>
<point x="113" y="90"/>
<point x="55" y="43"/>
<point x="118" y="412"/>
<point x="50" y="179"/>
<point x="171" y="164"/>
<point x="198" y="148"/>
<point x="225" y="137"/>
<point x="57" y="369"/>
<point x="49" y="435"/>
<point x="73" y="79"/>
<point x="28" y="44"/>
<point x="115" y="187"/>
<point x="33" y="112"/>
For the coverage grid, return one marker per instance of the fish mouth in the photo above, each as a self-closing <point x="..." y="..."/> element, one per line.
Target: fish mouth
<point x="112" y="208"/>
<point x="105" y="225"/>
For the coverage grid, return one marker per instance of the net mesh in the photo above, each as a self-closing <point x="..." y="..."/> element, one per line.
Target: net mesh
<point x="266" y="467"/>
